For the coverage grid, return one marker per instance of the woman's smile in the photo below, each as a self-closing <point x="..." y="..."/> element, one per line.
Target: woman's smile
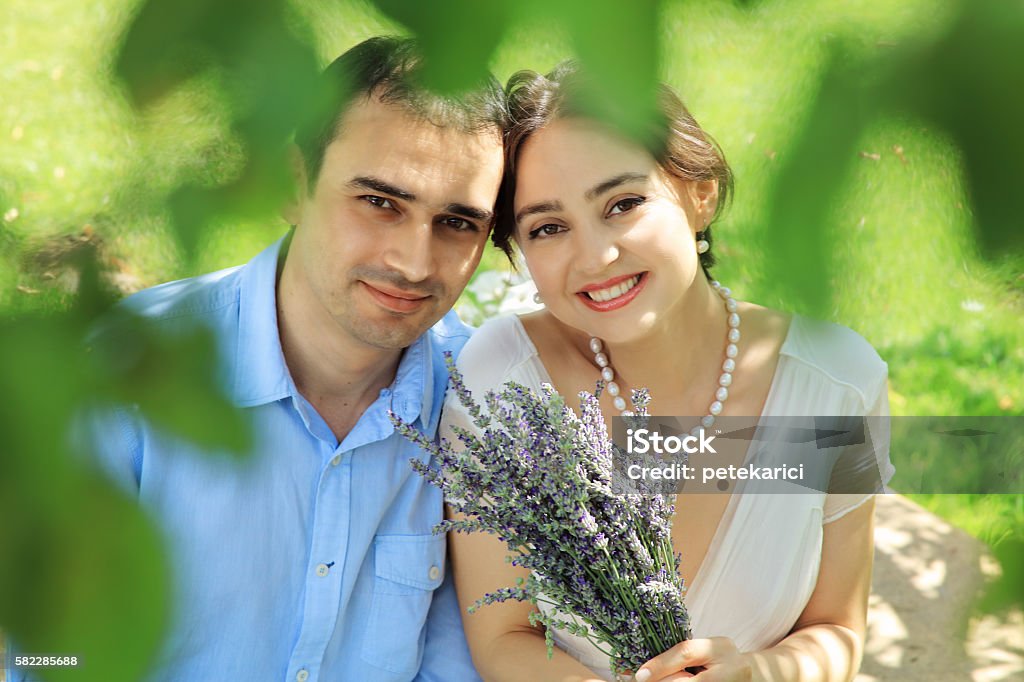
<point x="614" y="293"/>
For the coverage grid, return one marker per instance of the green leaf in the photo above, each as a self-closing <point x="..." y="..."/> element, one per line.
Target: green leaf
<point x="970" y="83"/>
<point x="618" y="46"/>
<point x="798" y="237"/>
<point x="82" y="572"/>
<point x="175" y="380"/>
<point x="456" y="37"/>
<point x="269" y="76"/>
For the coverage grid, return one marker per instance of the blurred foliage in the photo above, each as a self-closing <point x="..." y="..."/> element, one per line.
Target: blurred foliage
<point x="216" y="85"/>
<point x="84" y="571"/>
<point x="268" y="76"/>
<point x="959" y="455"/>
<point x="966" y="83"/>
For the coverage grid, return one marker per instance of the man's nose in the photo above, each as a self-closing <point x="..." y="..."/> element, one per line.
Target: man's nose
<point x="410" y="251"/>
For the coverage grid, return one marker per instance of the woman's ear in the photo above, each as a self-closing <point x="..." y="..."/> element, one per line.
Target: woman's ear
<point x="291" y="211"/>
<point x="705" y="199"/>
<point x="699" y="198"/>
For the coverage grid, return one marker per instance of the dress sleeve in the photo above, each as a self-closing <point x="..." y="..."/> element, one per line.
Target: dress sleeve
<point x="865" y="468"/>
<point x="455" y="415"/>
<point x="496" y="354"/>
<point x="479" y="376"/>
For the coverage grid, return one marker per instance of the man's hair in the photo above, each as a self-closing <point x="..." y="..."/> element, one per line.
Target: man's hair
<point x="388" y="68"/>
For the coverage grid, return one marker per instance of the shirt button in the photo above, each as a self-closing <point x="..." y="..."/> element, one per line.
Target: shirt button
<point x="322" y="570"/>
<point x="434" y="573"/>
<point x="336" y="461"/>
<point x="302" y="675"/>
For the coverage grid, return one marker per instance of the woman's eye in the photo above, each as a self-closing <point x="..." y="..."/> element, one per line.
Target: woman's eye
<point x="545" y="230"/>
<point x="379" y="202"/>
<point x="625" y="205"/>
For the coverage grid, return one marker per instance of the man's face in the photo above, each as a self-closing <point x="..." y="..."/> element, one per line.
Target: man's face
<point x="396" y="223"/>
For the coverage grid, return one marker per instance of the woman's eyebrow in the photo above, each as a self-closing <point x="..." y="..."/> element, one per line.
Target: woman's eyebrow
<point x="539" y="207"/>
<point x="612" y="183"/>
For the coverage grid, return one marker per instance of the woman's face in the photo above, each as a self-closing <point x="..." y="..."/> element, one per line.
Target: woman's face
<point x="606" y="233"/>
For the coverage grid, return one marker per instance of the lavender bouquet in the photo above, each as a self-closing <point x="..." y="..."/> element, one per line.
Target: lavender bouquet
<point x="540" y="478"/>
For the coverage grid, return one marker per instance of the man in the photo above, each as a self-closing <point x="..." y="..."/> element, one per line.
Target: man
<point x="314" y="559"/>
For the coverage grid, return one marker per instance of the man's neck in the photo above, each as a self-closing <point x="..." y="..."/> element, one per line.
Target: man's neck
<point x="337" y="374"/>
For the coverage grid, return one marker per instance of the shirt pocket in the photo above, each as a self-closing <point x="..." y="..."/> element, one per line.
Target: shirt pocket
<point x="407" y="570"/>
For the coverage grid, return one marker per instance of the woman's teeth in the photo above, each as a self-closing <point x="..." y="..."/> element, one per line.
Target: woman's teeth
<point x="602" y="295"/>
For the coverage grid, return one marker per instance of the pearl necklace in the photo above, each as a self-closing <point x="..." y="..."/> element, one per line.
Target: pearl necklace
<point x="724" y="381"/>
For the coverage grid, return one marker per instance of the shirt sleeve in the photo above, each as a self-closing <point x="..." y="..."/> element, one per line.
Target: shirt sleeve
<point x="865" y="468"/>
<point x="7" y="662"/>
<point x="112" y="439"/>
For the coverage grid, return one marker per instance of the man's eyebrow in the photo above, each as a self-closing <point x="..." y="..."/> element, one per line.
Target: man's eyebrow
<point x="378" y="185"/>
<point x="471" y="212"/>
<point x="539" y="207"/>
<point x="612" y="183"/>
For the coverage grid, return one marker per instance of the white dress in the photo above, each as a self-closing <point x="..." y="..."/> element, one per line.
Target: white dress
<point x="762" y="563"/>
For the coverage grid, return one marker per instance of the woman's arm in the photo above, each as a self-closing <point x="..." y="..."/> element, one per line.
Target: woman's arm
<point x="503" y="643"/>
<point x="827" y="641"/>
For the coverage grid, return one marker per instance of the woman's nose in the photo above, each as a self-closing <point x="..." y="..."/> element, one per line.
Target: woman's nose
<point x="597" y="250"/>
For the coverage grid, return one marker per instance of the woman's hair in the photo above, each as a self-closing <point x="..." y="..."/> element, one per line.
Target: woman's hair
<point x="681" y="147"/>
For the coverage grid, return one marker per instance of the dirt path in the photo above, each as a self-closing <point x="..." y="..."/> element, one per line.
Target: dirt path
<point x="927" y="576"/>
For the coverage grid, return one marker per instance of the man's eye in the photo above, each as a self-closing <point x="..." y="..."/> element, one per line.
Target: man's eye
<point x="459" y="224"/>
<point x="379" y="202"/>
<point x="625" y="205"/>
<point x="545" y="230"/>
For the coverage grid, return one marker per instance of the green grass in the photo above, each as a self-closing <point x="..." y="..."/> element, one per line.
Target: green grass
<point x="906" y="276"/>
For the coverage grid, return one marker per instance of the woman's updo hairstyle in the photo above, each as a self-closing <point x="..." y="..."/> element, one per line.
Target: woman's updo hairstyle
<point x="678" y="144"/>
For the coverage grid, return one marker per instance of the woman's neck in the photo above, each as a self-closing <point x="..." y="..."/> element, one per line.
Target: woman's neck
<point x="679" y="360"/>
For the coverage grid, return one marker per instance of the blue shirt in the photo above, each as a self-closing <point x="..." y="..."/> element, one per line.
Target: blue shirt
<point x="311" y="559"/>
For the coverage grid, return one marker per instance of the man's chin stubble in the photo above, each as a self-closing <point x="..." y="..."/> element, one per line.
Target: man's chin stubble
<point x="396" y="335"/>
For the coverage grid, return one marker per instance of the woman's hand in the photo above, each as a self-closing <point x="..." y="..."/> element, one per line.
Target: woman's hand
<point x="715" y="660"/>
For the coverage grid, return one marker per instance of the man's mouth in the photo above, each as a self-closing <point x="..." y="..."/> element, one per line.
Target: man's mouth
<point x="613" y="293"/>
<point x="395" y="300"/>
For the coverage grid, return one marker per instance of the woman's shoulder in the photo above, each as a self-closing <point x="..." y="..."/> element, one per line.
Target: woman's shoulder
<point x="496" y="352"/>
<point x="837" y="353"/>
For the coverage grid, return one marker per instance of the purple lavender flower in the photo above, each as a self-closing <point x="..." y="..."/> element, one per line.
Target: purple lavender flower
<point x="540" y="478"/>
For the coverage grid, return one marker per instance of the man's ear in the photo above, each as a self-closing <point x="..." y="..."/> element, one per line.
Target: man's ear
<point x="292" y="209"/>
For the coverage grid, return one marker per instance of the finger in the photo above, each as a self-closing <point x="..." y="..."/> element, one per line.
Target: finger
<point x="691" y="653"/>
<point x="731" y="670"/>
<point x="720" y="674"/>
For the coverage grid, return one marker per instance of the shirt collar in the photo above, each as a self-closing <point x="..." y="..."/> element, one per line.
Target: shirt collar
<point x="412" y="392"/>
<point x="261" y="374"/>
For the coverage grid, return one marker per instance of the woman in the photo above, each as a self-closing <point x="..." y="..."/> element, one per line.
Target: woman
<point x="617" y="240"/>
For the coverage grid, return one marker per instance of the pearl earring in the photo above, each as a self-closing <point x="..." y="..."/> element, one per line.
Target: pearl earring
<point x="702" y="244"/>
<point x="537" y="299"/>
